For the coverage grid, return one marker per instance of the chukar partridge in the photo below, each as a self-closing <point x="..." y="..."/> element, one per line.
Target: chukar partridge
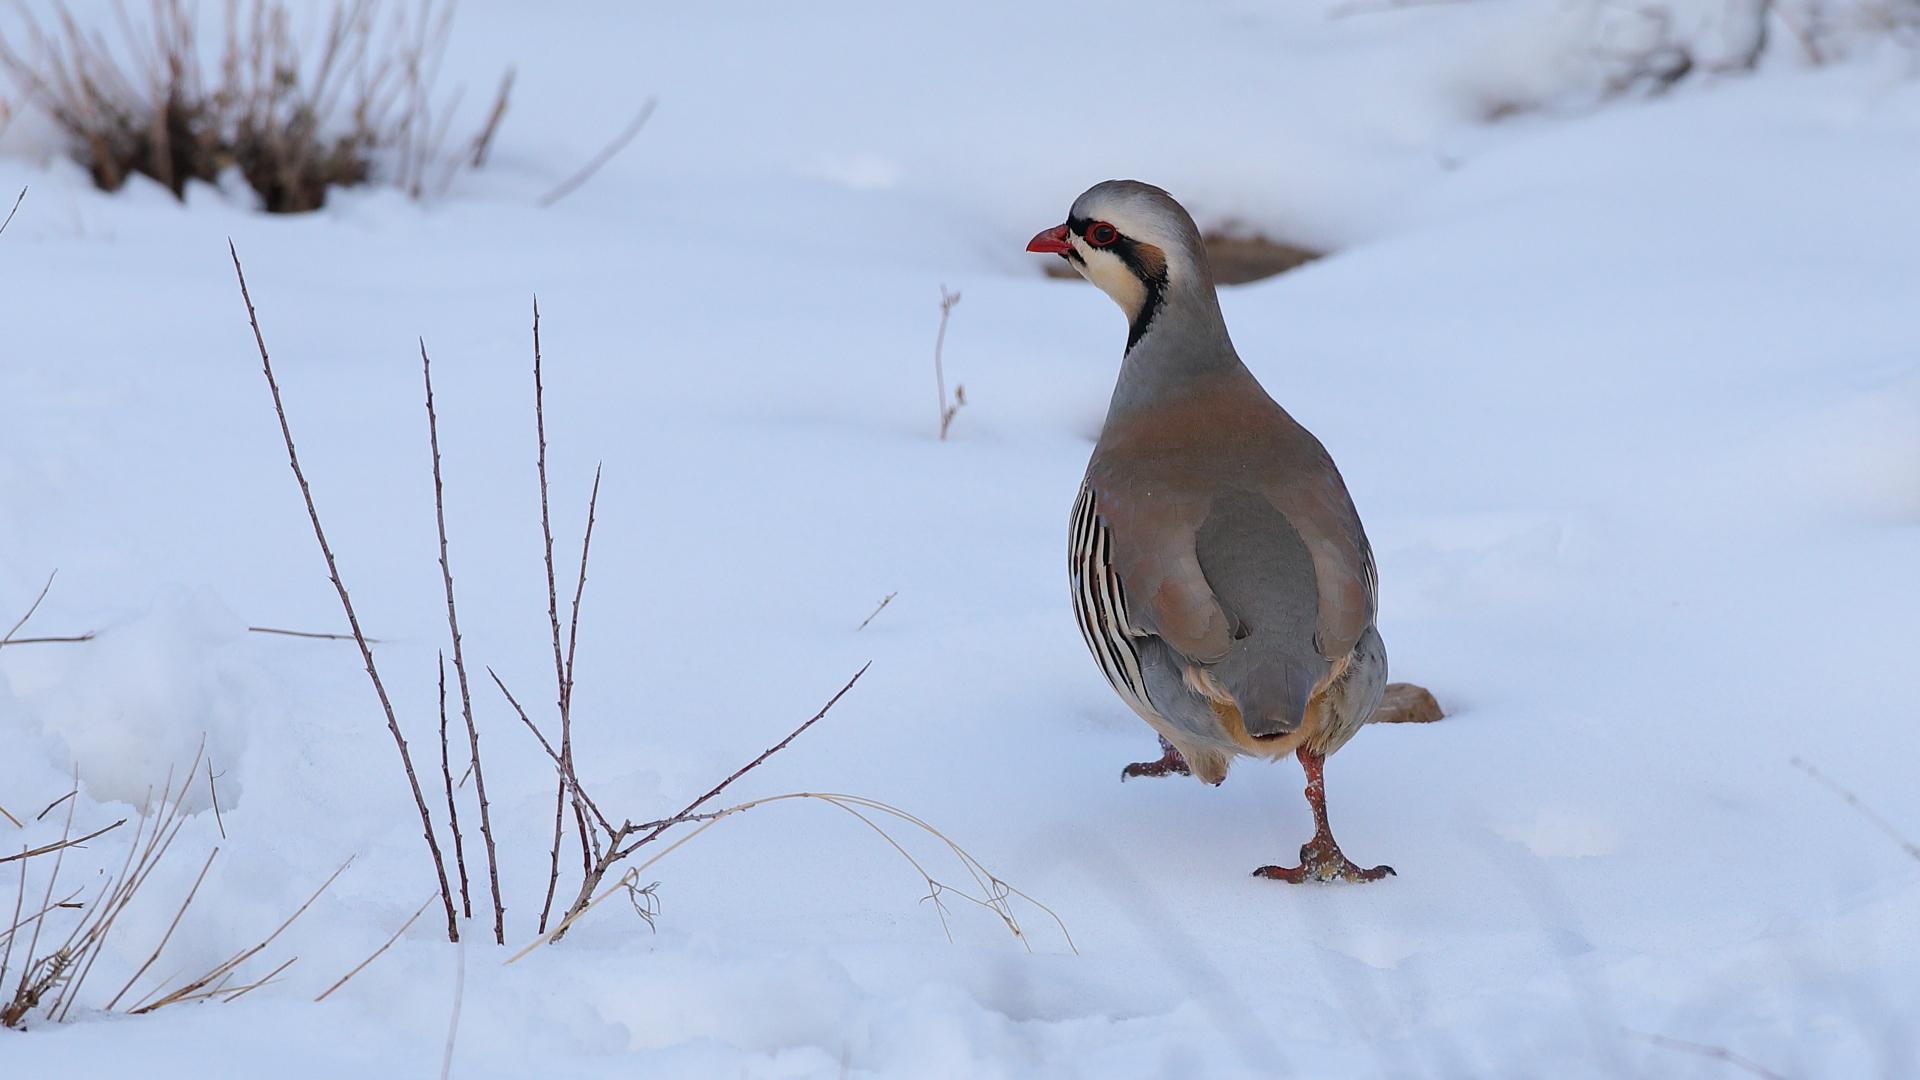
<point x="1220" y="573"/>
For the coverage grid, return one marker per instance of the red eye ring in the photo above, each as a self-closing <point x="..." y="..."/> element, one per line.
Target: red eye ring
<point x="1101" y="234"/>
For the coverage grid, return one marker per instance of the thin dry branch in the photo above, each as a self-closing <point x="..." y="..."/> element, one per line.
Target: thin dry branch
<point x="16" y="209"/>
<point x="459" y="661"/>
<point x="751" y="765"/>
<point x="10" y="817"/>
<point x="995" y="895"/>
<point x="213" y="794"/>
<point x="224" y="970"/>
<point x="453" y="809"/>
<point x="553" y="873"/>
<point x="617" y="846"/>
<point x="27" y="995"/>
<point x="947" y="409"/>
<point x="562" y="657"/>
<point x="568" y="185"/>
<point x="305" y="634"/>
<point x="376" y="953"/>
<point x="483" y="142"/>
<point x="62" y="845"/>
<point x="579" y="591"/>
<point x="561" y="764"/>
<point x="89" y="937"/>
<point x="260" y="982"/>
<point x="888" y="599"/>
<point x="35" y="606"/>
<point x="171" y="927"/>
<point x="1859" y="806"/>
<point x="55" y="803"/>
<point x="1717" y="1053"/>
<point x="88" y="636"/>
<point x="346" y="602"/>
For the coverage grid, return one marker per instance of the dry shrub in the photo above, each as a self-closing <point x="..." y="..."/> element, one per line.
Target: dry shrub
<point x="296" y="114"/>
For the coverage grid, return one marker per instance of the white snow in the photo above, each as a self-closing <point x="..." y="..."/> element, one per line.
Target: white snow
<point x="1628" y="394"/>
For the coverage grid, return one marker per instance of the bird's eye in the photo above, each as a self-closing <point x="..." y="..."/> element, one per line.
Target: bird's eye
<point x="1100" y="234"/>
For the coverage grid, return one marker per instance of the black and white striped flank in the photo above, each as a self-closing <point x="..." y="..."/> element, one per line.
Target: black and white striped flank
<point x="1100" y="603"/>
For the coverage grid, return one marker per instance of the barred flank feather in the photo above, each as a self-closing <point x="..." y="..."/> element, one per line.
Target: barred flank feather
<point x="1100" y="604"/>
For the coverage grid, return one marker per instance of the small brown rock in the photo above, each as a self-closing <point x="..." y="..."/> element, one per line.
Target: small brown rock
<point x="1405" y="703"/>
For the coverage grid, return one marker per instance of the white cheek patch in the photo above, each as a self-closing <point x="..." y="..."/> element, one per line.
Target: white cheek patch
<point x="1105" y="269"/>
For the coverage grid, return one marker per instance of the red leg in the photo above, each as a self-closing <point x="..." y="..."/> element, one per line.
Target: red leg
<point x="1320" y="858"/>
<point x="1170" y="764"/>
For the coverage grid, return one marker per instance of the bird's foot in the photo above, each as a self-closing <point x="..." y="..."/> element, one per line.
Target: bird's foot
<point x="1322" y="860"/>
<point x="1170" y="764"/>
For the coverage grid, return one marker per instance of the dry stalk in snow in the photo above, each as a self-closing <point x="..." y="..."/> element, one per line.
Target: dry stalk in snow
<point x="346" y="603"/>
<point x="50" y="982"/>
<point x="566" y="187"/>
<point x="460" y="671"/>
<point x="295" y="116"/>
<point x="995" y="895"/>
<point x="947" y="409"/>
<point x="1912" y="849"/>
<point x="612" y="845"/>
<point x="1717" y="1053"/>
<point x="16" y="202"/>
<point x="878" y="608"/>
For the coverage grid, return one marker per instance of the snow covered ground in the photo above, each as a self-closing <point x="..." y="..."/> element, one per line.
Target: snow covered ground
<point x="1628" y="396"/>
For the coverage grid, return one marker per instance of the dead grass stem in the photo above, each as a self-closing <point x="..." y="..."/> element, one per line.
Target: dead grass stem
<point x="411" y="919"/>
<point x="460" y="663"/>
<point x="346" y="603"/>
<point x="570" y="184"/>
<point x="296" y="114"/>
<point x="947" y="409"/>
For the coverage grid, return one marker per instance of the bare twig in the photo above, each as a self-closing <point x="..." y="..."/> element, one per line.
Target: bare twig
<point x="376" y="953"/>
<point x="568" y="185"/>
<point x="85" y="944"/>
<point x="756" y="762"/>
<point x="947" y="410"/>
<point x="1862" y="808"/>
<point x="88" y="636"/>
<point x="260" y="982"/>
<point x="1718" y="1053"/>
<point x="562" y="657"/>
<point x="9" y="221"/>
<point x="10" y="817"/>
<point x="573" y="628"/>
<point x="302" y="633"/>
<point x="62" y="844"/>
<point x="459" y="662"/>
<point x="224" y="970"/>
<point x="564" y="767"/>
<point x="353" y="621"/>
<point x="453" y="810"/>
<point x="995" y="895"/>
<point x="29" y="991"/>
<point x="559" y="826"/>
<point x="484" y="141"/>
<point x="41" y="816"/>
<point x="35" y="606"/>
<point x="618" y="846"/>
<point x="171" y="927"/>
<point x="214" y="794"/>
<point x="888" y="599"/>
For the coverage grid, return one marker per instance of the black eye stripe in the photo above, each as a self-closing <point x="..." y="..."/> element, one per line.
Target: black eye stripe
<point x="1154" y="278"/>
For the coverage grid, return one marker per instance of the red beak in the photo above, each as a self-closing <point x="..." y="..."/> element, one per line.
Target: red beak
<point x="1051" y="242"/>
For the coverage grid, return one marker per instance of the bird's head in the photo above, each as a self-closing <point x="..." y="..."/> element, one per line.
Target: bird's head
<point x="1136" y="243"/>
